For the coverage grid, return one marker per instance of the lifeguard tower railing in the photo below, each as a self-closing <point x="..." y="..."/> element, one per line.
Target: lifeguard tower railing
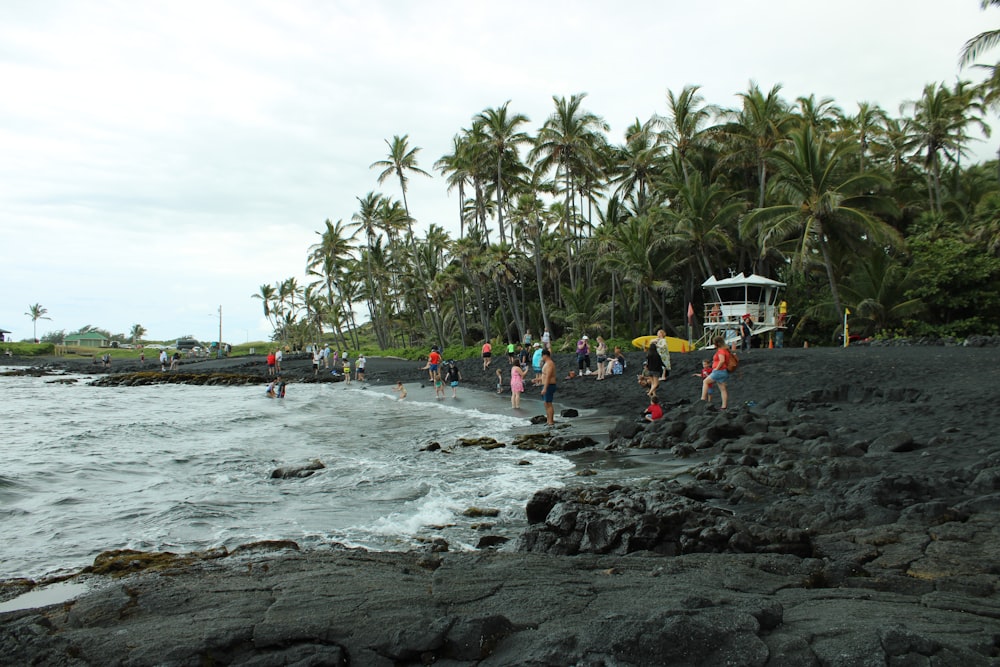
<point x="728" y="300"/>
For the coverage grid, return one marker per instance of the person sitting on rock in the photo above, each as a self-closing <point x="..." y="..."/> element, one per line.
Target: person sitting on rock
<point x="654" y="411"/>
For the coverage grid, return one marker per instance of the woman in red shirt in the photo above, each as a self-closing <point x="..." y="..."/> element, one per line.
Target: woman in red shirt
<point x="720" y="372"/>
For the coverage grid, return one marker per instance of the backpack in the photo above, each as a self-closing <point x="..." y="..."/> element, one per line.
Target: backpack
<point x="617" y="368"/>
<point x="732" y="361"/>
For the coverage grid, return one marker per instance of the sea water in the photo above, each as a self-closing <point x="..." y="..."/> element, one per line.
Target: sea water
<point x="186" y="468"/>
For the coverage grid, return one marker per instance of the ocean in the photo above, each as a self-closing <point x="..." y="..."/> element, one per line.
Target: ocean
<point x="186" y="468"/>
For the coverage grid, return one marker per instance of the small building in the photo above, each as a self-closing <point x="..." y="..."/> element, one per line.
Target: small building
<point x="88" y="339"/>
<point x="727" y="301"/>
<point x="3" y="336"/>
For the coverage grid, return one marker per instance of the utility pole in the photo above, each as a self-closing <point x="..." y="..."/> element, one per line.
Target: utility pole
<point x="219" y="351"/>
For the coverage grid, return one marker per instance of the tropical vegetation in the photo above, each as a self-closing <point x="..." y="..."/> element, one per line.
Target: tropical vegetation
<point x="566" y="228"/>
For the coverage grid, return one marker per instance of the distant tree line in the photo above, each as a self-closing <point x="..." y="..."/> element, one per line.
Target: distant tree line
<point x="563" y="228"/>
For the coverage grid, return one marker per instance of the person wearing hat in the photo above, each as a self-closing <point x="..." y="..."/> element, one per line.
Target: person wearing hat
<point x="583" y="355"/>
<point x="536" y="358"/>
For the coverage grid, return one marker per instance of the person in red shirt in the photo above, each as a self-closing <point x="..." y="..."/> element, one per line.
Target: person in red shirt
<point x="487" y="354"/>
<point x="720" y="372"/>
<point x="654" y="411"/>
<point x="433" y="361"/>
<point x="271" y="360"/>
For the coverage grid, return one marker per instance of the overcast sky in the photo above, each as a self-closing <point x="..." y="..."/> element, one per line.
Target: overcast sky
<point x="159" y="160"/>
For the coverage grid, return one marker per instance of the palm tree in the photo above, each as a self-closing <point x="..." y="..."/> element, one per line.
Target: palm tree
<point x="457" y="167"/>
<point x="36" y="312"/>
<point x="879" y="290"/>
<point x="757" y="129"/>
<point x="503" y="137"/>
<point x="637" y="162"/>
<point x="938" y="127"/>
<point x="685" y="123"/>
<point x="821" y="115"/>
<point x="138" y="331"/>
<point x="569" y="143"/>
<point x="702" y="222"/>
<point x="984" y="41"/>
<point x="637" y="256"/>
<point x="267" y="296"/>
<point x="866" y="128"/>
<point x="821" y="204"/>
<point x="401" y="159"/>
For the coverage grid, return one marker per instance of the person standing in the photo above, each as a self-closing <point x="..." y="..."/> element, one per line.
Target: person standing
<point x="487" y="354"/>
<point x="347" y="368"/>
<point x="583" y="355"/>
<point x="536" y="359"/>
<point x="360" y="365"/>
<point x="516" y="386"/>
<point x="548" y="386"/>
<point x="654" y="369"/>
<point x="453" y="377"/>
<point x="602" y="356"/>
<point x="527" y="339"/>
<point x="720" y="372"/>
<point x="278" y="356"/>
<point x="433" y="362"/>
<point x="326" y="357"/>
<point x="546" y="339"/>
<point x="317" y="356"/>
<point x="163" y="360"/>
<point x="746" y="332"/>
<point x="663" y="350"/>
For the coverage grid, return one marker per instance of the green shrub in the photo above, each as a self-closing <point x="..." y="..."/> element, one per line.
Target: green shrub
<point x="28" y="349"/>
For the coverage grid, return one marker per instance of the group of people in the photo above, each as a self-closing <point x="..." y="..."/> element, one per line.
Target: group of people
<point x="320" y="359"/>
<point x="714" y="375"/>
<point x="275" y="388"/>
<point x="438" y="372"/>
<point x="169" y="361"/>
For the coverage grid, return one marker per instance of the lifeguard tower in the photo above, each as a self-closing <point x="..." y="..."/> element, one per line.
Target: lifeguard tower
<point x="728" y="300"/>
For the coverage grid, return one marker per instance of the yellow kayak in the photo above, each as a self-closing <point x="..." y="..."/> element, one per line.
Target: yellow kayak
<point x="673" y="344"/>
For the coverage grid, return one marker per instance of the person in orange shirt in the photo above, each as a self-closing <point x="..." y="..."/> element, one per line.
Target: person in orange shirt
<point x="487" y="354"/>
<point x="720" y="372"/>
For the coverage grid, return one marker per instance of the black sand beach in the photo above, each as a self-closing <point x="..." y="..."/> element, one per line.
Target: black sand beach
<point x="844" y="512"/>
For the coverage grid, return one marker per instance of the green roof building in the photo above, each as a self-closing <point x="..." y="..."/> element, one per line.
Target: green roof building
<point x="89" y="339"/>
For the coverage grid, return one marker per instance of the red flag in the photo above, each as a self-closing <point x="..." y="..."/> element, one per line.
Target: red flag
<point x="690" y="311"/>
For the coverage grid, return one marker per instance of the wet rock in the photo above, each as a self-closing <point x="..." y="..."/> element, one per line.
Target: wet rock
<point x="294" y="472"/>
<point x="893" y="442"/>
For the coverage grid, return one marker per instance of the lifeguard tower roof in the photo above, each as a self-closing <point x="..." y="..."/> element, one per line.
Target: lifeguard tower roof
<point x="740" y="279"/>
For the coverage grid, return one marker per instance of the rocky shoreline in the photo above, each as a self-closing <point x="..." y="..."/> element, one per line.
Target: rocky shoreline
<point x="843" y="511"/>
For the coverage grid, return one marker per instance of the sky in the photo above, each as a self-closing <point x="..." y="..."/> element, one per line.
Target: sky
<point x="160" y="161"/>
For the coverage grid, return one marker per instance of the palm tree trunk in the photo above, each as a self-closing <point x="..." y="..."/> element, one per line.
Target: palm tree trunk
<point x="829" y="271"/>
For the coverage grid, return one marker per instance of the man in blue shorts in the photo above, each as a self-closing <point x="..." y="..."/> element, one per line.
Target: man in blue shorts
<point x="548" y="386"/>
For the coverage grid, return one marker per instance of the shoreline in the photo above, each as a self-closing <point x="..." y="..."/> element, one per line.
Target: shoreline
<point x="846" y="510"/>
